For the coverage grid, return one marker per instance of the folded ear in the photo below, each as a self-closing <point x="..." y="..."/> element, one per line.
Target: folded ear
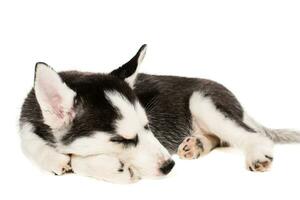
<point x="128" y="71"/>
<point x="55" y="98"/>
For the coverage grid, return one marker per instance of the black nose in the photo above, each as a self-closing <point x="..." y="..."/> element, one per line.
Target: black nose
<point x="167" y="166"/>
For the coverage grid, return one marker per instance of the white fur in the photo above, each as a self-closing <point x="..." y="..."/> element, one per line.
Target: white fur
<point x="147" y="157"/>
<point x="141" y="113"/>
<point x="131" y="122"/>
<point x="101" y="166"/>
<point x="104" y="167"/>
<point x="208" y="117"/>
<point x="39" y="152"/>
<point x="149" y="154"/>
<point x="131" y="79"/>
<point x="98" y="143"/>
<point x="56" y="101"/>
<point x="54" y="97"/>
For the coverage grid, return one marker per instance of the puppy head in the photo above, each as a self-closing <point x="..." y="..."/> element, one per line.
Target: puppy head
<point x="86" y="105"/>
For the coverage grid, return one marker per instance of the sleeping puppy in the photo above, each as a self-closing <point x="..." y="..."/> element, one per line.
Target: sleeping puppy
<point x="86" y="114"/>
<point x="124" y="126"/>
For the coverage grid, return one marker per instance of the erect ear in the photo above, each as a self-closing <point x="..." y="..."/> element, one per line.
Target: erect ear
<point x="55" y="98"/>
<point x="129" y="70"/>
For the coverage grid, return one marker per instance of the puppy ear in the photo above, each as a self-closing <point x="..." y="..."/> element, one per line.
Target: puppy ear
<point x="55" y="98"/>
<point x="128" y="71"/>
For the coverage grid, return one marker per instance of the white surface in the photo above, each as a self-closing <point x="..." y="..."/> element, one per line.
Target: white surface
<point x="252" y="47"/>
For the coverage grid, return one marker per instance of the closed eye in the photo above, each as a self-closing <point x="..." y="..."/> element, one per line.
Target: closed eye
<point x="126" y="142"/>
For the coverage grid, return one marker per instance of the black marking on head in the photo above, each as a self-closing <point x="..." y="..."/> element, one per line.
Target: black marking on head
<point x="32" y="113"/>
<point x="125" y="142"/>
<point x="97" y="112"/>
<point x="93" y="111"/>
<point x="130" y="67"/>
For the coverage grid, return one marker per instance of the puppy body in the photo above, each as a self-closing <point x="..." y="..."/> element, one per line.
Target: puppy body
<point x="180" y="108"/>
<point x="114" y="116"/>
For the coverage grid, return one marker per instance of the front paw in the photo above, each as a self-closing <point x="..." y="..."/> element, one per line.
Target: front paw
<point x="105" y="167"/>
<point x="191" y="148"/>
<point x="127" y="174"/>
<point x="60" y="164"/>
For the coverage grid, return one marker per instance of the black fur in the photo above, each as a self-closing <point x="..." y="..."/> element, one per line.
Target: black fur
<point x="130" y="67"/>
<point x="98" y="114"/>
<point x="125" y="142"/>
<point x="165" y="98"/>
<point x="31" y="113"/>
<point x="94" y="111"/>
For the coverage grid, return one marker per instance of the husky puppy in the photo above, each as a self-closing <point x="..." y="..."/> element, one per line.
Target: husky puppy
<point x="122" y="126"/>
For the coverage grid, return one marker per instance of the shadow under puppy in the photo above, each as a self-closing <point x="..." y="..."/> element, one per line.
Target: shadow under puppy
<point x="123" y="125"/>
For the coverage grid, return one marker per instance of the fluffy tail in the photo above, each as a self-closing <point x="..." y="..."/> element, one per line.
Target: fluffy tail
<point x="281" y="136"/>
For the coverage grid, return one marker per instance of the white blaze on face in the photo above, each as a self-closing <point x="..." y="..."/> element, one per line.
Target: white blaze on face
<point x="130" y="123"/>
<point x="149" y="154"/>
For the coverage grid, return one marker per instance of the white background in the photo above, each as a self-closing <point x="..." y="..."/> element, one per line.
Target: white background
<point x="252" y="47"/>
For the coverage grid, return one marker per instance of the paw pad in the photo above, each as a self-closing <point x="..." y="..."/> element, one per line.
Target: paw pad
<point x="190" y="148"/>
<point x="261" y="165"/>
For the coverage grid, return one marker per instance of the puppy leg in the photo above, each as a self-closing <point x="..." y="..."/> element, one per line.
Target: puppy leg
<point x="45" y="156"/>
<point x="258" y="149"/>
<point x="195" y="146"/>
<point x="104" y="167"/>
<point x="199" y="144"/>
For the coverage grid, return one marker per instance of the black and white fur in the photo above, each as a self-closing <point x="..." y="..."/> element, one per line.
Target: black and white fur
<point x="123" y="125"/>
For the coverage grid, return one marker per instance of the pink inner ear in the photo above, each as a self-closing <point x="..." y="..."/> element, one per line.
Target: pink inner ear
<point x="59" y="110"/>
<point x="54" y="97"/>
<point x="55" y="102"/>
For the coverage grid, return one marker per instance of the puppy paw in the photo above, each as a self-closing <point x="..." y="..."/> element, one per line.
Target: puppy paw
<point x="260" y="159"/>
<point x="127" y="174"/>
<point x="105" y="167"/>
<point x="60" y="164"/>
<point x="191" y="148"/>
<point x="261" y="165"/>
<point x="67" y="169"/>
